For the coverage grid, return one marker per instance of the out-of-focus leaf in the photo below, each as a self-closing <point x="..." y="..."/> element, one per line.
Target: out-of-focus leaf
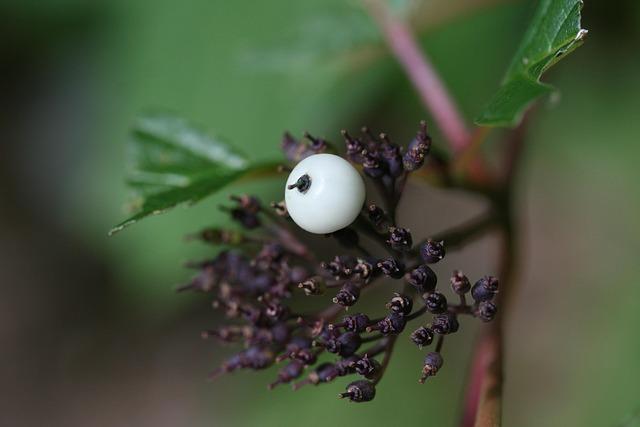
<point x="173" y="162"/>
<point x="345" y="37"/>
<point x="554" y="32"/>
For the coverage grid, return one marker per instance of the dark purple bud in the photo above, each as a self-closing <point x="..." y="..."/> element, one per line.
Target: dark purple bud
<point x="305" y="355"/>
<point x="399" y="239"/>
<point x="313" y="286"/>
<point x="391" y="267"/>
<point x="422" y="278"/>
<point x="276" y="311"/>
<point x="390" y="154"/>
<point x="486" y="311"/>
<point x="372" y="164"/>
<point x="231" y="364"/>
<point x="259" y="283"/>
<point x="435" y="302"/>
<point x="355" y="323"/>
<point x="485" y="289"/>
<point x="432" y="364"/>
<point x="340" y="266"/>
<point x="422" y="336"/>
<point x="364" y="269"/>
<point x="317" y="145"/>
<point x="417" y="150"/>
<point x="347" y="295"/>
<point x="288" y="373"/>
<point x="460" y="283"/>
<point x="432" y="251"/>
<point x="249" y="203"/>
<point x="360" y="391"/>
<point x="205" y="281"/>
<point x="346" y="366"/>
<point x="344" y="345"/>
<point x="246" y="211"/>
<point x="400" y="304"/>
<point x="295" y="150"/>
<point x="378" y="217"/>
<point x="280" y="333"/>
<point x="295" y="345"/>
<point x="257" y="358"/>
<point x="297" y="274"/>
<point x="326" y="332"/>
<point x="354" y="147"/>
<point x="270" y="253"/>
<point x="392" y="324"/>
<point x="445" y="323"/>
<point x="367" y="367"/>
<point x="253" y="315"/>
<point x="324" y="373"/>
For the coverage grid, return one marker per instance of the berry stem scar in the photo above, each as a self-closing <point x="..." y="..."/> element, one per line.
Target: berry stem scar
<point x="302" y="184"/>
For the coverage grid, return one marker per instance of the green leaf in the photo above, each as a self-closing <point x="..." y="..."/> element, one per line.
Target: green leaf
<point x="554" y="32"/>
<point x="172" y="162"/>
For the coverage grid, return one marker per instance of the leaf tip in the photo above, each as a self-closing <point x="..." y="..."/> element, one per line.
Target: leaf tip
<point x="118" y="228"/>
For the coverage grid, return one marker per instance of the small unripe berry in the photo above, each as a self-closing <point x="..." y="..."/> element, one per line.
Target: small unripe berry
<point x="399" y="239"/>
<point x="346" y="365"/>
<point x="324" y="373"/>
<point x="391" y="267"/>
<point x="354" y="147"/>
<point x="347" y="295"/>
<point x="313" y="286"/>
<point x="422" y="278"/>
<point x="257" y="357"/>
<point x="372" y="164"/>
<point x="432" y="363"/>
<point x="340" y="266"/>
<point x="417" y="149"/>
<point x="485" y="289"/>
<point x="435" y="302"/>
<point x="290" y="372"/>
<point x="304" y="355"/>
<point x="400" y="304"/>
<point x="364" y="269"/>
<point x="460" y="283"/>
<point x="360" y="391"/>
<point x="392" y="324"/>
<point x="432" y="251"/>
<point x="377" y="216"/>
<point x="345" y="345"/>
<point x="356" y="323"/>
<point x="391" y="156"/>
<point x="422" y="336"/>
<point x="445" y="323"/>
<point x="367" y="367"/>
<point x="486" y="311"/>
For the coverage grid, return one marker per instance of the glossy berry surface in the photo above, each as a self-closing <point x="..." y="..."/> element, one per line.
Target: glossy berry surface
<point x="324" y="193"/>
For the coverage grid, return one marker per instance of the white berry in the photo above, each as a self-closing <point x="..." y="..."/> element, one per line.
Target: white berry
<point x="324" y="193"/>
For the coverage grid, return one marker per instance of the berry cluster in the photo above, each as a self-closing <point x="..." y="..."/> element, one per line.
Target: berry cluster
<point x="263" y="267"/>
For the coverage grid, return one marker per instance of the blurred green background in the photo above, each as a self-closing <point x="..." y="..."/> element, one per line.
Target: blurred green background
<point x="92" y="331"/>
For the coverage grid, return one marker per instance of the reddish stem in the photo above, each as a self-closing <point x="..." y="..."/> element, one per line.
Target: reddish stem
<point x="423" y="76"/>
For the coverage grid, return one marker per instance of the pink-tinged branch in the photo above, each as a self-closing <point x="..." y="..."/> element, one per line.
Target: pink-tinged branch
<point x="483" y="400"/>
<point x="421" y="73"/>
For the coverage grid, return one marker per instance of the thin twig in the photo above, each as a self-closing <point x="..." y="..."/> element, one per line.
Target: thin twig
<point x="421" y="73"/>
